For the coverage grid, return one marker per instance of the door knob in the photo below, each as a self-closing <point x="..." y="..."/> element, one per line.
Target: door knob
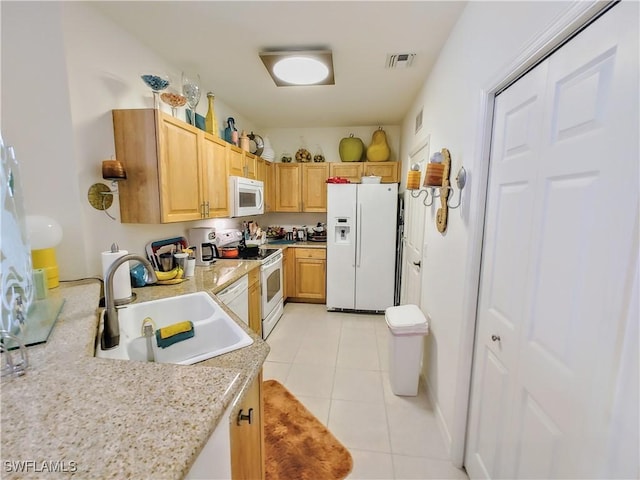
<point x="417" y="264"/>
<point x="495" y="338"/>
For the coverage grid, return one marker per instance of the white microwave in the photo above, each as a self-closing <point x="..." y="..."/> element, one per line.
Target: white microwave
<point x="246" y="197"/>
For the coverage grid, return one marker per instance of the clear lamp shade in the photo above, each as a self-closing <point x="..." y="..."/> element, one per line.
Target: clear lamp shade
<point x="44" y="232"/>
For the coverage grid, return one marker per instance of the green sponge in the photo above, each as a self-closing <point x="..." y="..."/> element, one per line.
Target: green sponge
<point x="167" y="336"/>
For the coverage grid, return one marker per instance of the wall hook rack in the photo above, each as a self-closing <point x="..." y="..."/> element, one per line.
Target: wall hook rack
<point x="100" y="196"/>
<point x="436" y="185"/>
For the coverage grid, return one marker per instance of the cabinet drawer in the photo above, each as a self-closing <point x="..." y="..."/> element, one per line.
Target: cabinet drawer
<point x="320" y="253"/>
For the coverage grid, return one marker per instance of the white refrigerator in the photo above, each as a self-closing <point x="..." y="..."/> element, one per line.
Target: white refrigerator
<point x="361" y="246"/>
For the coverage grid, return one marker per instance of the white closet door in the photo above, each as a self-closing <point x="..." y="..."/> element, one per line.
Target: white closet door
<point x="560" y="252"/>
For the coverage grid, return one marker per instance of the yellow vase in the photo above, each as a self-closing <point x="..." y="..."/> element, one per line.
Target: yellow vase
<point x="210" y="122"/>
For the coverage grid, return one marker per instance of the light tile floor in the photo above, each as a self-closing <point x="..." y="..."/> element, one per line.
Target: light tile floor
<point x="337" y="366"/>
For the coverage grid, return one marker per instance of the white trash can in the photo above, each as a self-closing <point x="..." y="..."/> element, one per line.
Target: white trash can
<point x="407" y="327"/>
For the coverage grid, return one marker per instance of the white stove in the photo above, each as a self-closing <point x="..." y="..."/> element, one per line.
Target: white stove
<point x="271" y="284"/>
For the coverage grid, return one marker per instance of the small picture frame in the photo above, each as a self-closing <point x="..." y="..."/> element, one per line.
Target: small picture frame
<point x="200" y="120"/>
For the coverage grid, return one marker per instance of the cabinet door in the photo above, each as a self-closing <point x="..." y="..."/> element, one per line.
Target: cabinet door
<point x="314" y="187"/>
<point x="269" y="187"/>
<point x="216" y="178"/>
<point x="350" y="170"/>
<point x="289" y="268"/>
<point x="261" y="170"/>
<point x="235" y="161"/>
<point x="250" y="165"/>
<point x="135" y="134"/>
<point x="287" y="187"/>
<point x="255" y="311"/>
<point x="387" y="170"/>
<point x="247" y="439"/>
<point x="181" y="196"/>
<point x="311" y="270"/>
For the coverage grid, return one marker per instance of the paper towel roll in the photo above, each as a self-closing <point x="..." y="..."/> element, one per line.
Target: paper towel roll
<point x="121" y="279"/>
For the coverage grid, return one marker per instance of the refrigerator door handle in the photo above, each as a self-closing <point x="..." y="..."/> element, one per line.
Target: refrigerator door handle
<point x="359" y="233"/>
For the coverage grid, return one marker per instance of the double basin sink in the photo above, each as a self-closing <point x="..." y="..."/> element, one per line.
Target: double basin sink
<point x="215" y="332"/>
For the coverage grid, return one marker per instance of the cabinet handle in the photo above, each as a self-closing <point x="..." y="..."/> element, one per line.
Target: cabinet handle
<point x="202" y="210"/>
<point x="495" y="338"/>
<point x="242" y="417"/>
<point x="417" y="264"/>
<point x="206" y="209"/>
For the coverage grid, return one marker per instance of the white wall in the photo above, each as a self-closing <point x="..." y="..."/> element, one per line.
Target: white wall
<point x="327" y="139"/>
<point x="36" y="118"/>
<point x="64" y="68"/>
<point x="488" y="37"/>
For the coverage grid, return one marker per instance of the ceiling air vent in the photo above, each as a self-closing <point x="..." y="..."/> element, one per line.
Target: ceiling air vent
<point x="400" y="60"/>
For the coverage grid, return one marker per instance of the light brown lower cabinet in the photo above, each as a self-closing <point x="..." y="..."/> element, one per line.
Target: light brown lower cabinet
<point x="289" y="270"/>
<point x="306" y="273"/>
<point x="255" y="304"/>
<point x="247" y="436"/>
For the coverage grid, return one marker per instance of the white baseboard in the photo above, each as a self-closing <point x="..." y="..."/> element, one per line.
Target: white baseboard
<point x="442" y="425"/>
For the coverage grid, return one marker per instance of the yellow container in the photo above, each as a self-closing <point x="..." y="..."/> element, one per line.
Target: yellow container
<point x="413" y="180"/>
<point x="46" y="259"/>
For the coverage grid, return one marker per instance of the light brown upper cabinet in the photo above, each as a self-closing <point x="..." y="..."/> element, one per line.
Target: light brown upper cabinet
<point x="314" y="187"/>
<point x="241" y="163"/>
<point x="217" y="183"/>
<point x="349" y="170"/>
<point x="269" y="187"/>
<point x="301" y="187"/>
<point x="175" y="172"/>
<point x="389" y="171"/>
<point x="287" y="187"/>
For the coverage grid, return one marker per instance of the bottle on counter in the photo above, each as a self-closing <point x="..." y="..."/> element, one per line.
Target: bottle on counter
<point x="231" y="133"/>
<point x="244" y="141"/>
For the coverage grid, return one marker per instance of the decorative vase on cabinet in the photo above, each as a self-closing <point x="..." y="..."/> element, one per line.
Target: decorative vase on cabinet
<point x="211" y="124"/>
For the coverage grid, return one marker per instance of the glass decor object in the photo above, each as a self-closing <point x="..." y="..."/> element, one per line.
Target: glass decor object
<point x="191" y="90"/>
<point x="26" y="315"/>
<point x="17" y="283"/>
<point x="174" y="100"/>
<point x="157" y="83"/>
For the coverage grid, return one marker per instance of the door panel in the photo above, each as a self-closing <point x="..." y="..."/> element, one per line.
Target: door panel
<point x="559" y="239"/>
<point x="488" y="431"/>
<point x="341" y="245"/>
<point x="540" y="442"/>
<point x="181" y="193"/>
<point x="413" y="236"/>
<point x="375" y="252"/>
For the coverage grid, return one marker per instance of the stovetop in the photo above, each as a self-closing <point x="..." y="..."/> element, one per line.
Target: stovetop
<point x="263" y="254"/>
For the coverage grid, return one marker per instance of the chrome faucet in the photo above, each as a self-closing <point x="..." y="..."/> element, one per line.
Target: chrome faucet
<point x="111" y="332"/>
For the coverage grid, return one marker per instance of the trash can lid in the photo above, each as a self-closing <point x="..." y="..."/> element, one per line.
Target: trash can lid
<point x="406" y="319"/>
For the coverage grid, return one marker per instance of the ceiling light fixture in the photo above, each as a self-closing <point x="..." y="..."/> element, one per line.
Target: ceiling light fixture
<point x="295" y="68"/>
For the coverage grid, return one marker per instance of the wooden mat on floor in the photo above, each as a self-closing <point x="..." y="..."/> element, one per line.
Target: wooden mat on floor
<point x="298" y="446"/>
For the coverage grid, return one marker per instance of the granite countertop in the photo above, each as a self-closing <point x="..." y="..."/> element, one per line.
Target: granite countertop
<point x="101" y="418"/>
